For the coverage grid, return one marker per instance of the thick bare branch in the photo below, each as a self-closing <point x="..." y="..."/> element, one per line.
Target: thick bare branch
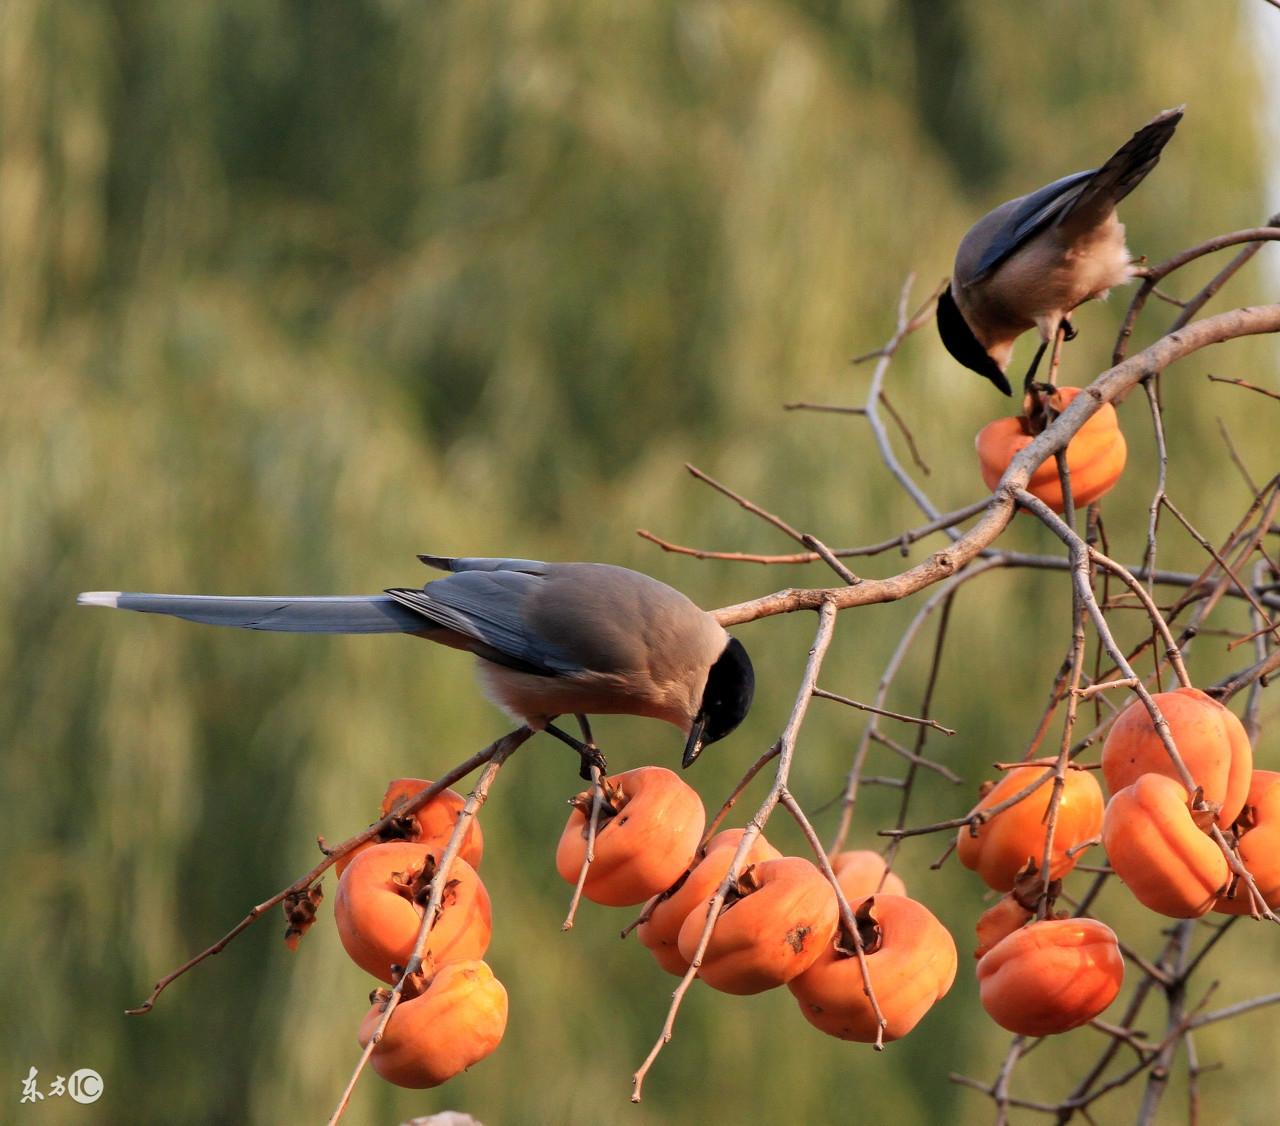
<point x="942" y="564"/>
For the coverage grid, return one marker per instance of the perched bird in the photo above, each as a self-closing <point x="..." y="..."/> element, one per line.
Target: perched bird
<point x="1032" y="260"/>
<point x="551" y="639"/>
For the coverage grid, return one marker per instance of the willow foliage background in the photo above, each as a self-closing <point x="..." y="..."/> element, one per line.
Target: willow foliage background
<point x="290" y="292"/>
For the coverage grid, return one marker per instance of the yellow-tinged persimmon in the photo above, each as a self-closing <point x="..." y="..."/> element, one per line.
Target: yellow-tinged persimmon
<point x="1209" y="738"/>
<point x="457" y="1021"/>
<point x="1169" y="863"/>
<point x="861" y="872"/>
<point x="779" y="917"/>
<point x="911" y="960"/>
<point x="1051" y="976"/>
<point x="999" y="922"/>
<point x="1095" y="456"/>
<point x="649" y="829"/>
<point x="660" y="932"/>
<point x="381" y="899"/>
<point x="1258" y="830"/>
<point x="1001" y="846"/>
<point x="431" y="825"/>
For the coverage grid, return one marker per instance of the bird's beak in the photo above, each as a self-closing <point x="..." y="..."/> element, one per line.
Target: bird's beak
<point x="693" y="747"/>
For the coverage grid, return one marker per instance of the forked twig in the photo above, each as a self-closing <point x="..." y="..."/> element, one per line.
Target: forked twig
<point x="503" y="750"/>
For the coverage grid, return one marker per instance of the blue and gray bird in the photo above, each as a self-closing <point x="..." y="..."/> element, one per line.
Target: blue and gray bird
<point x="550" y="639"/>
<point x="1034" y="259"/>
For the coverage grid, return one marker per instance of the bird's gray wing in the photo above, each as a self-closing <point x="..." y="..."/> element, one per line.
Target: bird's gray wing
<point x="1036" y="212"/>
<point x="1088" y="195"/>
<point x="372" y="613"/>
<point x="487" y="606"/>
<point x="1124" y="171"/>
<point x="481" y="563"/>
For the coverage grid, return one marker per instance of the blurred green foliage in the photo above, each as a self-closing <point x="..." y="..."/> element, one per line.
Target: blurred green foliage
<point x="290" y="292"/>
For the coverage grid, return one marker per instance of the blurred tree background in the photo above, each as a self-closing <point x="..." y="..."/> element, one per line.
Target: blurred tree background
<point x="291" y="291"/>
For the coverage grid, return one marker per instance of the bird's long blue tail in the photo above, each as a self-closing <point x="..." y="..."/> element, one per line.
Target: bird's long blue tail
<point x="368" y="613"/>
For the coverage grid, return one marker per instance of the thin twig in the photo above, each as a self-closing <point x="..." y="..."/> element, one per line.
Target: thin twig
<point x="825" y="408"/>
<point x="1234" y="454"/>
<point x="593" y="825"/>
<point x="505" y="748"/>
<point x="332" y="856"/>
<point x="1241" y="382"/>
<point x="902" y="542"/>
<point x="822" y="693"/>
<point x="907" y="436"/>
<point x="786" y="750"/>
<point x="846" y="910"/>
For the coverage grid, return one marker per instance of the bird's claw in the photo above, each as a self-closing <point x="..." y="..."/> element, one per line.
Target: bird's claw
<point x="592" y="756"/>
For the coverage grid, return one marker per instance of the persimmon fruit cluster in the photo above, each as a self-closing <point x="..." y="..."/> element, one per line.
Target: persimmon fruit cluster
<point x="453" y="1012"/>
<point x="1157" y="831"/>
<point x="780" y="921"/>
<point x="1049" y="975"/>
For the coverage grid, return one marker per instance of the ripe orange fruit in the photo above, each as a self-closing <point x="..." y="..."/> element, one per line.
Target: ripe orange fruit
<point x="381" y="899"/>
<point x="648" y="830"/>
<point x="911" y="961"/>
<point x="1051" y="976"/>
<point x="691" y="894"/>
<point x="431" y="825"/>
<point x="456" y="1022"/>
<point x="780" y="916"/>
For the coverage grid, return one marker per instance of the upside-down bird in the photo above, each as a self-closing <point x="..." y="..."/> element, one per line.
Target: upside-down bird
<point x="1034" y="259"/>
<point x="550" y="639"/>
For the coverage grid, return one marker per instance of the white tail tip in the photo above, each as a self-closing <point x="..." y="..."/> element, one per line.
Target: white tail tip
<point x="99" y="598"/>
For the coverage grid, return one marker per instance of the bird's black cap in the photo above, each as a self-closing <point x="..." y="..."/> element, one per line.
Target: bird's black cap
<point x="726" y="699"/>
<point x="963" y="345"/>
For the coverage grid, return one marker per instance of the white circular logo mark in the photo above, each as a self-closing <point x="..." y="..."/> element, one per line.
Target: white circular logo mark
<point x="85" y="1085"/>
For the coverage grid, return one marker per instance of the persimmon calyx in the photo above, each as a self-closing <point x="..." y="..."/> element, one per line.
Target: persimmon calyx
<point x="1203" y="813"/>
<point x="300" y="909"/>
<point x="1029" y="888"/>
<point x="414" y="884"/>
<point x="1247" y="820"/>
<point x="613" y="801"/>
<point x="746" y="883"/>
<point x="870" y="933"/>
<point x="403" y="827"/>
<point x="417" y="981"/>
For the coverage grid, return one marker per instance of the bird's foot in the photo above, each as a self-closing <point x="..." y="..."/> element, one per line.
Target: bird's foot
<point x="1037" y="407"/>
<point x="1029" y="379"/>
<point x="591" y="755"/>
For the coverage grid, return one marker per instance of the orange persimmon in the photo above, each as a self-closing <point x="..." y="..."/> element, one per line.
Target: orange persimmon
<point x="1258" y="831"/>
<point x="780" y="916"/>
<point x="648" y="831"/>
<point x="861" y="872"/>
<point x="1051" y="976"/>
<point x="1001" y="847"/>
<point x="660" y="932"/>
<point x="1211" y="741"/>
<point x="1169" y="863"/>
<point x="457" y="1021"/>
<point x="1095" y="456"/>
<point x="380" y="901"/>
<point x="999" y="922"/>
<point x="432" y="824"/>
<point x="911" y="961"/>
